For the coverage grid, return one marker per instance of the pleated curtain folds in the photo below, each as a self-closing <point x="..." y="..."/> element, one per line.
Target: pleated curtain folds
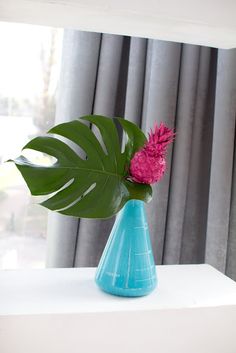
<point x="192" y="216"/>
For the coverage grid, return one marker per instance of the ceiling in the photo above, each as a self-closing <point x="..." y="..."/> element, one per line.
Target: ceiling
<point x="208" y="22"/>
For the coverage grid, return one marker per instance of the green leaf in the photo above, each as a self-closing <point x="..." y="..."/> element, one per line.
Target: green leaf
<point x="136" y="138"/>
<point x="93" y="187"/>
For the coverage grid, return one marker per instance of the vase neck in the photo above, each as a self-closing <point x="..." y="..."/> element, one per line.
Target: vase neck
<point x="133" y="210"/>
<point x="134" y="203"/>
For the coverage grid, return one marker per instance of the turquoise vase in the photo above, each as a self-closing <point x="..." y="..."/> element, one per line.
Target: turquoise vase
<point x="127" y="266"/>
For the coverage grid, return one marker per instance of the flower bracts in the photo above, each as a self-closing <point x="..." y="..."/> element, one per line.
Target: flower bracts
<point x="148" y="165"/>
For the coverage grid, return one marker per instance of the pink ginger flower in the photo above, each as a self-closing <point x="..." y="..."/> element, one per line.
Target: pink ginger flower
<point x="148" y="165"/>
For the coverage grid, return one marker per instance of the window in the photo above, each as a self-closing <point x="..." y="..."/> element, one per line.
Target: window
<point x="29" y="72"/>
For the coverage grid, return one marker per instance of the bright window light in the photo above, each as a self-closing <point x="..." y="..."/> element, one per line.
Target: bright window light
<point x="29" y="71"/>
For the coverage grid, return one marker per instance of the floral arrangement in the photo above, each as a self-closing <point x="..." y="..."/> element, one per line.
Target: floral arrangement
<point x="98" y="185"/>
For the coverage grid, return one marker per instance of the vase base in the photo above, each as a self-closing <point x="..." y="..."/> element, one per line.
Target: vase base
<point x="126" y="292"/>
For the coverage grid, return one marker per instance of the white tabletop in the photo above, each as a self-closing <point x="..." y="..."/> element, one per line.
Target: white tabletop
<point x="54" y="291"/>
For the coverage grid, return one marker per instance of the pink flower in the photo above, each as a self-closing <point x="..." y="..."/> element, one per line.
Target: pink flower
<point x="148" y="165"/>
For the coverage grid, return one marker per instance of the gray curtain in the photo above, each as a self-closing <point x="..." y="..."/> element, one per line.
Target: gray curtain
<point x="192" y="216"/>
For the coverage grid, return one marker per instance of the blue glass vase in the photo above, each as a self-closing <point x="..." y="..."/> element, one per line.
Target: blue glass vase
<point x="127" y="266"/>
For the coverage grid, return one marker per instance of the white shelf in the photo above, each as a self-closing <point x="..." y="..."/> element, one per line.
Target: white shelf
<point x="205" y="22"/>
<point x="193" y="310"/>
<point x="57" y="291"/>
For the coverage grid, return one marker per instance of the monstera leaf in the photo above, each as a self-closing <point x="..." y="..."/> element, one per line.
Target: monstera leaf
<point x="94" y="187"/>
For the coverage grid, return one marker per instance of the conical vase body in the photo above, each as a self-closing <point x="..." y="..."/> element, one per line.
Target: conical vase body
<point x="127" y="266"/>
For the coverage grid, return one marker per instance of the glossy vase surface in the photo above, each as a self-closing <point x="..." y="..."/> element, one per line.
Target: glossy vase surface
<point x="127" y="266"/>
